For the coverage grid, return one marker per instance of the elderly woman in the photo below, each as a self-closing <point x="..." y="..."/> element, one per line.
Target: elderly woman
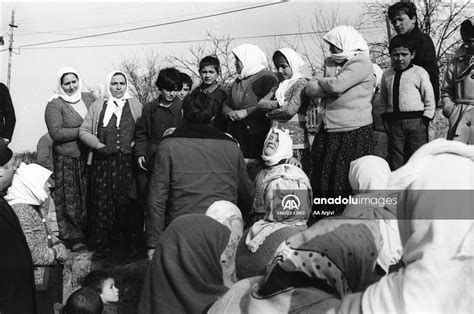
<point x="346" y="131"/>
<point x="248" y="125"/>
<point x="64" y="115"/>
<point x="311" y="271"/>
<point x="273" y="184"/>
<point x="108" y="131"/>
<point x="185" y="274"/>
<point x="28" y="193"/>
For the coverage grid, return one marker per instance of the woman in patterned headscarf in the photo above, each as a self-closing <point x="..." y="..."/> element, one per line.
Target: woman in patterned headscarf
<point x="310" y="271"/>
<point x="108" y="130"/>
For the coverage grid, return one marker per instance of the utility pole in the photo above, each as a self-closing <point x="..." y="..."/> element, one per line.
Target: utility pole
<point x="10" y="48"/>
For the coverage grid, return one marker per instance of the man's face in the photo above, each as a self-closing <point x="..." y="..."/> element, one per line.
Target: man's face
<point x="401" y="58"/>
<point x="6" y="174"/>
<point x="402" y="23"/>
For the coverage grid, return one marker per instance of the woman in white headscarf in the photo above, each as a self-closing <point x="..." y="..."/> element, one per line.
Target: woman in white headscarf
<point x="108" y="131"/>
<point x="286" y="105"/>
<point x="437" y="232"/>
<point x="369" y="177"/>
<point x="274" y="221"/>
<point x="64" y="115"/>
<point x="346" y="131"/>
<point x="246" y="124"/>
<point x="28" y="192"/>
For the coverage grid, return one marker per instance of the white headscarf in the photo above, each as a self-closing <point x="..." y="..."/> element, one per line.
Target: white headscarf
<point x="369" y="173"/>
<point x="348" y="40"/>
<point x="61" y="93"/>
<point x="230" y="216"/>
<point x="114" y="105"/>
<point x="284" y="150"/>
<point x="28" y="185"/>
<point x="439" y="252"/>
<point x="253" y="59"/>
<point x="295" y="62"/>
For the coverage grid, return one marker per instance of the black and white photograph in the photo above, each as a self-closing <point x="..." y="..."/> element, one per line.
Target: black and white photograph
<point x="230" y="157"/>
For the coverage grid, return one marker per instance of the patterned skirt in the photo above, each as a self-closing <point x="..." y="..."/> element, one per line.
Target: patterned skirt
<point x="70" y="196"/>
<point x="332" y="153"/>
<point x="110" y="183"/>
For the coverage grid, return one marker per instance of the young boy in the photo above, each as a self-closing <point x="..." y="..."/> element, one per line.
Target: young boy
<point x="157" y="116"/>
<point x="407" y="103"/>
<point x="104" y="284"/>
<point x="457" y="90"/>
<point x="187" y="85"/>
<point x="209" y="70"/>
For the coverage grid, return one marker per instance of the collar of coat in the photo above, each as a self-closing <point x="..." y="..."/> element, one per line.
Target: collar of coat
<point x="201" y="131"/>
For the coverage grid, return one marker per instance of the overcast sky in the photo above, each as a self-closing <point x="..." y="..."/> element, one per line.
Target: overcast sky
<point x="34" y="67"/>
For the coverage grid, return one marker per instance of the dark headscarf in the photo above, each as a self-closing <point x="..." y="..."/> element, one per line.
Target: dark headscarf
<point x="185" y="274"/>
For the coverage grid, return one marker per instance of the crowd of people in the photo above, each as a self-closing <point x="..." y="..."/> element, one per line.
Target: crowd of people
<point x="201" y="176"/>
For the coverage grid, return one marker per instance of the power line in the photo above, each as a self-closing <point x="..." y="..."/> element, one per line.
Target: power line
<point x="116" y="24"/>
<point x="195" y="40"/>
<point x="153" y="26"/>
<point x="80" y="13"/>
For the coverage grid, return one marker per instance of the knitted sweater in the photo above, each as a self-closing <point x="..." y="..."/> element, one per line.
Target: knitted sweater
<point x="346" y="93"/>
<point x="407" y="94"/>
<point x="37" y="235"/>
<point x="63" y="124"/>
<point x="292" y="115"/>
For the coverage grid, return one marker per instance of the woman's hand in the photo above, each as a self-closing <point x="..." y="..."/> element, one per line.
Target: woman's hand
<point x="61" y="252"/>
<point x="141" y="161"/>
<point x="293" y="161"/>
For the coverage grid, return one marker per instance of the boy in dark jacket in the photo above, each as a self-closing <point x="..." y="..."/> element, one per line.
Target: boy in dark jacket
<point x="402" y="15"/>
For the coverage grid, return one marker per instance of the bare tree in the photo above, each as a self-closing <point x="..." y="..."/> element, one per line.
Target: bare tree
<point x="142" y="74"/>
<point x="214" y="46"/>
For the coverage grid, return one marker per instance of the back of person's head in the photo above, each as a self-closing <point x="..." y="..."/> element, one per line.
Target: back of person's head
<point x="467" y="30"/>
<point x="408" y="8"/>
<point x="6" y="166"/>
<point x="95" y="280"/>
<point x="198" y="108"/>
<point x="186" y="79"/>
<point x="210" y="61"/>
<point x="84" y="301"/>
<point x="169" y="79"/>
<point x="401" y="42"/>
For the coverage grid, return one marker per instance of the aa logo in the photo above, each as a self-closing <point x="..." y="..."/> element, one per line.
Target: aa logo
<point x="291" y="202"/>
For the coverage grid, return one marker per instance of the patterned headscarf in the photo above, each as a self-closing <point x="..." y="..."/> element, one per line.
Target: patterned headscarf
<point x="341" y="252"/>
